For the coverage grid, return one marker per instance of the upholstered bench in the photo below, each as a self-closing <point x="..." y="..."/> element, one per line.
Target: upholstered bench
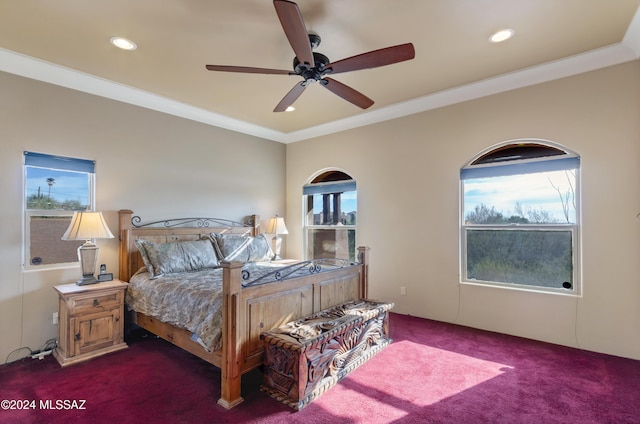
<point x="306" y="357"/>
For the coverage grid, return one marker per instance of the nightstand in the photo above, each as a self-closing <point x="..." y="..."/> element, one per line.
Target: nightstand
<point x="91" y="321"/>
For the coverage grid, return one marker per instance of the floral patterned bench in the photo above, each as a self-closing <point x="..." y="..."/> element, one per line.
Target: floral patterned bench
<point x="306" y="357"/>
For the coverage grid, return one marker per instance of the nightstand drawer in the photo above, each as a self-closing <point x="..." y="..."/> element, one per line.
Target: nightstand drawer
<point x="95" y="302"/>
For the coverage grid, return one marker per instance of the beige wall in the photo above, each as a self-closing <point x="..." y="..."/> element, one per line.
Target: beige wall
<point x="408" y="197"/>
<point x="155" y="164"/>
<point x="407" y="173"/>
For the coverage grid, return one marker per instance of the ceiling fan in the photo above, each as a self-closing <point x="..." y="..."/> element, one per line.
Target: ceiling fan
<point x="314" y="66"/>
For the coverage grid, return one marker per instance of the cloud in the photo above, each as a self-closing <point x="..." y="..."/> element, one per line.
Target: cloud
<point x="535" y="191"/>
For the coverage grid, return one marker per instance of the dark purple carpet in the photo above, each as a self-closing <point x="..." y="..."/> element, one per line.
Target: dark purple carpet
<point x="431" y="373"/>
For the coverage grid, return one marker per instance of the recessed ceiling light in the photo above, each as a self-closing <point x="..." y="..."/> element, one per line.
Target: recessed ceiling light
<point x="123" y="43"/>
<point x="502" y="35"/>
<point x="290" y="109"/>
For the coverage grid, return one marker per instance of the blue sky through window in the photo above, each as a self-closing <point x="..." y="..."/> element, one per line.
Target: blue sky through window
<point x="538" y="192"/>
<point x="68" y="185"/>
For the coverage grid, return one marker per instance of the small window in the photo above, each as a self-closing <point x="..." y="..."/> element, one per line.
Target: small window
<point x="55" y="187"/>
<point x="520" y="216"/>
<point x="330" y="210"/>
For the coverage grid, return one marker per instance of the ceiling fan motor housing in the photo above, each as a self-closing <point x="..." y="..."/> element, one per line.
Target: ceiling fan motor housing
<point x="315" y="73"/>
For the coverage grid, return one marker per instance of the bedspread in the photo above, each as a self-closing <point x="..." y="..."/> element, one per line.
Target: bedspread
<point x="189" y="300"/>
<point x="193" y="300"/>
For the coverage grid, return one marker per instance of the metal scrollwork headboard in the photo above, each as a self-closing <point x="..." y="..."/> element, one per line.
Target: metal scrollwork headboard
<point x="190" y="222"/>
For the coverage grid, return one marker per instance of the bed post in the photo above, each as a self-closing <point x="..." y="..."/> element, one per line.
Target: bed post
<point x="363" y="258"/>
<point x="124" y="226"/>
<point x="255" y="223"/>
<point x="232" y="313"/>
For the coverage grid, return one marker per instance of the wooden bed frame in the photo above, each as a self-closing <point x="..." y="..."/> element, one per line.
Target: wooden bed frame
<point x="247" y="312"/>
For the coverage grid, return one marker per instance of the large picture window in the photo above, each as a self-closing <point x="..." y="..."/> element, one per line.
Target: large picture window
<point x="330" y="224"/>
<point x="55" y="187"/>
<point x="520" y="217"/>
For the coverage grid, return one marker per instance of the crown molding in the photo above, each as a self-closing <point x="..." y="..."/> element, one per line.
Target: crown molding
<point x="574" y="65"/>
<point x="29" y="67"/>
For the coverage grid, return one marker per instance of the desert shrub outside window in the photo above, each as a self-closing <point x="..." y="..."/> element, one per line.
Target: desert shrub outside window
<point x="55" y="187"/>
<point x="520" y="217"/>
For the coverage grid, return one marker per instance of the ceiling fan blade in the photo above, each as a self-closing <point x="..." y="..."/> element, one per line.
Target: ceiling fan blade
<point x="248" y="70"/>
<point x="347" y="93"/>
<point x="374" y="59"/>
<point x="291" y="97"/>
<point x="293" y="25"/>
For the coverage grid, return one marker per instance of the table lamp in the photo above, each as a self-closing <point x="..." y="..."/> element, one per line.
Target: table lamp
<point x="87" y="226"/>
<point x="276" y="227"/>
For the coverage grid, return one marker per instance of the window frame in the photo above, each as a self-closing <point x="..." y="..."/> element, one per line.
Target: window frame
<point x="321" y="187"/>
<point x="573" y="228"/>
<point x="58" y="163"/>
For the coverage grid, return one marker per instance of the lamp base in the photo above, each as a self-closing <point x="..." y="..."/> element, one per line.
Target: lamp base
<point x="276" y="242"/>
<point x="87" y="280"/>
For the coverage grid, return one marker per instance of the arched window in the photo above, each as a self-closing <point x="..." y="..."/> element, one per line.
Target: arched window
<point x="330" y="216"/>
<point x="520" y="217"/>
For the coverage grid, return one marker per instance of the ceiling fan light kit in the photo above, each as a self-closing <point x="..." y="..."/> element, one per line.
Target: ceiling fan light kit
<point x="313" y="66"/>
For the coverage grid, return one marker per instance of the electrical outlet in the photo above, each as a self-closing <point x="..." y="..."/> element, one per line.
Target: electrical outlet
<point x="403" y="291"/>
<point x="54" y="318"/>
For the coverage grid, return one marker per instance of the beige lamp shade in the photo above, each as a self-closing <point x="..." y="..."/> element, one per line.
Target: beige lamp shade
<point x="87" y="226"/>
<point x="277" y="226"/>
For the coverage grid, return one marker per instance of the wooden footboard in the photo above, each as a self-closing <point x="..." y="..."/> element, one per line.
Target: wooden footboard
<point x="249" y="311"/>
<point x="252" y="310"/>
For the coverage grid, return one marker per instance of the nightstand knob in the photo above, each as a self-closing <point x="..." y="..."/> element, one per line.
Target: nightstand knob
<point x="95" y="302"/>
<point x="76" y="337"/>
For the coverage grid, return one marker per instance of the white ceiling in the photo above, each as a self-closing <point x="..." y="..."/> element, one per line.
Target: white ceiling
<point x="66" y="42"/>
